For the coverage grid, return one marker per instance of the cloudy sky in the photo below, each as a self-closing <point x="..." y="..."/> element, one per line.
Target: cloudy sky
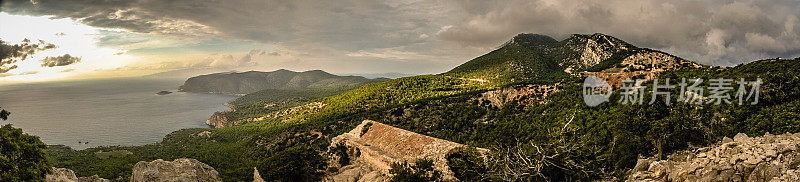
<point x="63" y="39"/>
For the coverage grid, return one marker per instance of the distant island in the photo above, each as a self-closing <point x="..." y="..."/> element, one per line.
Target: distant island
<point x="164" y="92"/>
<point x="253" y="81"/>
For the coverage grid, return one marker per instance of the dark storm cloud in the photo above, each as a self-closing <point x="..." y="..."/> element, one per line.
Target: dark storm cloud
<point x="63" y="60"/>
<point x="10" y="54"/>
<point x="123" y="14"/>
<point x="23" y="50"/>
<point x="351" y="24"/>
<point x="713" y="32"/>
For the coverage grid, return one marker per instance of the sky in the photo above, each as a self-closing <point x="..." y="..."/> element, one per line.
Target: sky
<point x="76" y="39"/>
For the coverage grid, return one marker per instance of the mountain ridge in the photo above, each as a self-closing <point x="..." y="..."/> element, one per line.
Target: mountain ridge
<point x="253" y="81"/>
<point x="541" y="57"/>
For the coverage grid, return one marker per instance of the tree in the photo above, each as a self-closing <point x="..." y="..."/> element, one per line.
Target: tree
<point x="4" y="114"/>
<point x="22" y="156"/>
<point x="298" y="163"/>
<point x="421" y="170"/>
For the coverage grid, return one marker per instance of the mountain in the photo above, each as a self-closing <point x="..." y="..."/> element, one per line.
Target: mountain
<point x="543" y="58"/>
<point x="253" y="81"/>
<point x="522" y="102"/>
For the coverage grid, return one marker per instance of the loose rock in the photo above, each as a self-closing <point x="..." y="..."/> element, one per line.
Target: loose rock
<point x="743" y="158"/>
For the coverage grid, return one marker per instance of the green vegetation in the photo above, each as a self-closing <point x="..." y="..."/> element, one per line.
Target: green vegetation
<point x="421" y="171"/>
<point x="614" y="61"/>
<point x="233" y="152"/>
<point x="272" y="145"/>
<point x="340" y="150"/>
<point x="512" y="63"/>
<point x="557" y="139"/>
<point x="22" y="156"/>
<point x="574" y="142"/>
<point x="467" y="165"/>
<point x="116" y="153"/>
<point x="281" y="151"/>
<point x="4" y="114"/>
<point x="268" y="101"/>
<point x="365" y="128"/>
<point x="297" y="163"/>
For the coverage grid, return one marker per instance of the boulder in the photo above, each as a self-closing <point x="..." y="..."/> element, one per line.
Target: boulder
<point x="179" y="170"/>
<point x="66" y="175"/>
<point x="741" y="138"/>
<point x="642" y="164"/>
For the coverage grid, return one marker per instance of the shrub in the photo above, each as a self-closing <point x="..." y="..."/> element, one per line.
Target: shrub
<point x="421" y="170"/>
<point x="22" y="156"/>
<point x="467" y="165"/>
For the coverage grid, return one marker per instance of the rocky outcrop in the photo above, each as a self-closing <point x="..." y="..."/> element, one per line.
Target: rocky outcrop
<point x="615" y="78"/>
<point x="219" y="120"/>
<point x="308" y="107"/>
<point x="643" y="64"/>
<point x="590" y="50"/>
<point x="523" y="94"/>
<point x="767" y="158"/>
<point x="66" y="175"/>
<point x="183" y="169"/>
<point x="359" y="171"/>
<point x="372" y="147"/>
<point x="654" y="61"/>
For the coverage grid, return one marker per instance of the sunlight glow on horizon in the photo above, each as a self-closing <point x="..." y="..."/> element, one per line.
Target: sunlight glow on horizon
<point x="71" y="37"/>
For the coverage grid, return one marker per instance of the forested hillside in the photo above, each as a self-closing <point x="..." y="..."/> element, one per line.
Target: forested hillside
<point x="522" y="101"/>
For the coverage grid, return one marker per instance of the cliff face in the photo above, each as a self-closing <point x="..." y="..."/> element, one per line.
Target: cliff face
<point x="372" y="148"/>
<point x="182" y="169"/>
<point x="253" y="81"/>
<point x="584" y="51"/>
<point x="767" y="158"/>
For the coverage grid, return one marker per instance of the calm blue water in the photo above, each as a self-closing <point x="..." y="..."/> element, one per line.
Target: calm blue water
<point x="106" y="112"/>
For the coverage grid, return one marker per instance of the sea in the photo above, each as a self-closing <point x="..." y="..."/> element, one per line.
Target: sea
<point x="108" y="112"/>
